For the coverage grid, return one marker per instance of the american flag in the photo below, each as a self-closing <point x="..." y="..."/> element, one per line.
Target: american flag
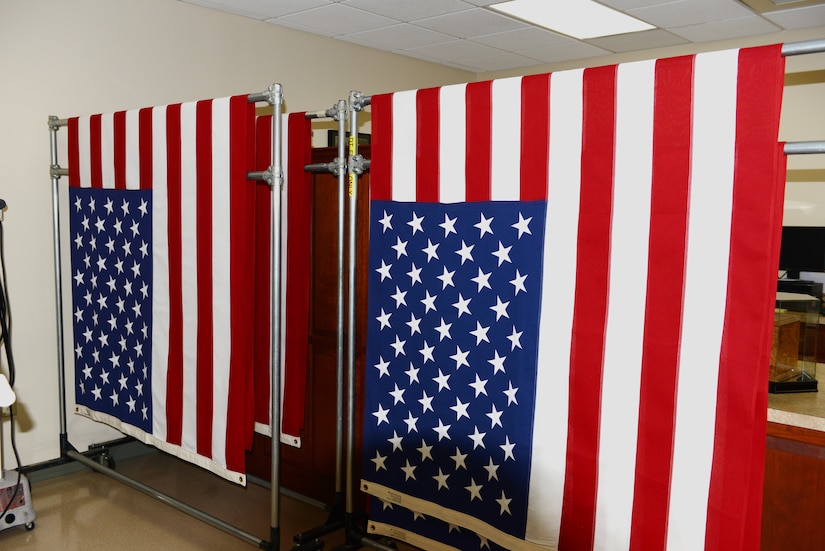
<point x="571" y="287"/>
<point x="162" y="256"/>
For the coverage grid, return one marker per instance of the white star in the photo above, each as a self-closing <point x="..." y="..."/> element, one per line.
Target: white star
<point x="397" y="395"/>
<point x="511" y="394"/>
<point x="379" y="461"/>
<point x="415" y="223"/>
<point x="97" y="390"/>
<point x="460" y="409"/>
<point x="88" y="334"/>
<point x="114" y="398"/>
<point x="412" y="373"/>
<point x="144" y="249"/>
<point x="123" y="382"/>
<point x="111" y="284"/>
<point x="477" y="438"/>
<point x="395" y="441"/>
<point x="480" y="386"/>
<point x="136" y="309"/>
<point x="87" y="372"/>
<point x="101" y="263"/>
<point x="474" y="489"/>
<point x="386" y="222"/>
<point x="135" y="269"/>
<point x="441" y="479"/>
<point x="431" y="249"/>
<point x="144" y="411"/>
<point x="426" y="402"/>
<point x="523" y="226"/>
<point x="110" y="244"/>
<point x="100" y="225"/>
<point x="139" y="388"/>
<point x="482" y="280"/>
<point x="399" y="297"/>
<point x="442" y="381"/>
<point x="101" y="301"/>
<point x="78" y="350"/>
<point x="409" y="470"/>
<point x="460" y="358"/>
<point x="498" y="363"/>
<point x="381" y="415"/>
<point x="78" y="278"/>
<point x="78" y="315"/>
<point x="127" y="248"/>
<point x="459" y="459"/>
<point x="77" y="204"/>
<point x="400" y="247"/>
<point x="484" y="226"/>
<point x="515" y="338"/>
<point x="448" y="224"/>
<point x="411" y="422"/>
<point x="143" y="207"/>
<point x="462" y="305"/>
<point x="444" y="330"/>
<point x="480" y="333"/>
<point x="425" y="451"/>
<point x="429" y="302"/>
<point x="118" y="226"/>
<point x="508" y="449"/>
<point x="384" y="270"/>
<point x="465" y="252"/>
<point x="446" y="278"/>
<point x="492" y="470"/>
<point x="518" y="282"/>
<point x="414" y="324"/>
<point x="384" y="319"/>
<point x="125" y="208"/>
<point x="78" y="241"/>
<point x="398" y="345"/>
<point x="500" y="308"/>
<point x="503" y="253"/>
<point x="504" y="502"/>
<point x="495" y="417"/>
<point x="415" y="275"/>
<point x="135" y="227"/>
<point x="442" y="430"/>
<point x="427" y="352"/>
<point x="115" y="359"/>
<point x="92" y="204"/>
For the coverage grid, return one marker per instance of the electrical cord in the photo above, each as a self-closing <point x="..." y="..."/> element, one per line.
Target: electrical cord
<point x="5" y="340"/>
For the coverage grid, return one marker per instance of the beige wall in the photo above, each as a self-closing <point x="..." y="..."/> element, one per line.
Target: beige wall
<point x="77" y="57"/>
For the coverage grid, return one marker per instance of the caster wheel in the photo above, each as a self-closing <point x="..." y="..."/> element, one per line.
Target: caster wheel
<point x="106" y="460"/>
<point x="30" y="526"/>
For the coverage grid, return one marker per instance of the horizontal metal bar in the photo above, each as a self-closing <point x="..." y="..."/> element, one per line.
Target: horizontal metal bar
<point x="54" y="122"/>
<point x="58" y="171"/>
<point x="264" y="175"/>
<point x="806" y="47"/>
<point x="320" y="167"/>
<point x="327" y="114"/>
<point x="804" y="148"/>
<point x="260" y="96"/>
<point x="169" y="500"/>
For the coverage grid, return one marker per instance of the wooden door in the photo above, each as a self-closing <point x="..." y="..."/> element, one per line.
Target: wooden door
<point x="310" y="469"/>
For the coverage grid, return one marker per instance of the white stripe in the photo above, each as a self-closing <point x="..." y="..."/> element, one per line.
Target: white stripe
<point x="107" y="149"/>
<point x="84" y="169"/>
<point x="160" y="273"/>
<point x="506" y="140"/>
<point x="404" y="134"/>
<point x="132" y="149"/>
<point x="630" y="231"/>
<point x="284" y="243"/>
<point x="549" y="454"/>
<point x="452" y="138"/>
<point x="221" y="283"/>
<point x="714" y="130"/>
<point x="189" y="265"/>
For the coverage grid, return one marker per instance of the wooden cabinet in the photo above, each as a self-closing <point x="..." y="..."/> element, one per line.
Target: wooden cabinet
<point x="310" y="470"/>
<point x="793" y="506"/>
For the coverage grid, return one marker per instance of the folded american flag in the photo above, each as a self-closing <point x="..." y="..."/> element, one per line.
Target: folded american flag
<point x="570" y="305"/>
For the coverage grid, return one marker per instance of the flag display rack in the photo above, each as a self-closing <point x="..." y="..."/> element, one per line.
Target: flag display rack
<point x="274" y="177"/>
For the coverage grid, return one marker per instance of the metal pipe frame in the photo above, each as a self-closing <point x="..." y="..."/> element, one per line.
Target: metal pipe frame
<point x="274" y="176"/>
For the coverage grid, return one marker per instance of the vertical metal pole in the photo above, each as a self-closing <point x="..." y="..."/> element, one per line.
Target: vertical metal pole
<point x="339" y="349"/>
<point x="58" y="279"/>
<point x="276" y="100"/>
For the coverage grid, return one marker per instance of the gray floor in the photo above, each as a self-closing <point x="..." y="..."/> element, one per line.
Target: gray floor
<point x="89" y="511"/>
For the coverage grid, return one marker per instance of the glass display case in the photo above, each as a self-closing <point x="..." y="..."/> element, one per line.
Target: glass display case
<point x="794" y="347"/>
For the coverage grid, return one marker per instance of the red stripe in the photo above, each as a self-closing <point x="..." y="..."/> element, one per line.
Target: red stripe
<point x="145" y="147"/>
<point x="174" y="377"/>
<point x="73" y="153"/>
<point x="203" y="230"/>
<point x="590" y="312"/>
<point x="666" y="271"/>
<point x="381" y="163"/>
<point x="263" y="216"/>
<point x="426" y="154"/>
<point x="738" y="467"/>
<point x="240" y="421"/>
<point x="95" y="163"/>
<point x="299" y="216"/>
<point x="535" y="136"/>
<point x="479" y="141"/>
<point x="119" y="149"/>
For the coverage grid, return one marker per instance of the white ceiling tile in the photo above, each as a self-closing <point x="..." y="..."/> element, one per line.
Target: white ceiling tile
<point x="565" y="52"/>
<point x="631" y="42"/>
<point x="690" y="12"/>
<point x="470" y="23"/>
<point x="335" y="20"/>
<point x="458" y="50"/>
<point x="499" y="62"/>
<point x="260" y="9"/>
<point x="521" y="39"/>
<point x="406" y="10"/>
<point x="623" y="5"/>
<point x="398" y="37"/>
<point x="731" y="28"/>
<point x="798" y="18"/>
